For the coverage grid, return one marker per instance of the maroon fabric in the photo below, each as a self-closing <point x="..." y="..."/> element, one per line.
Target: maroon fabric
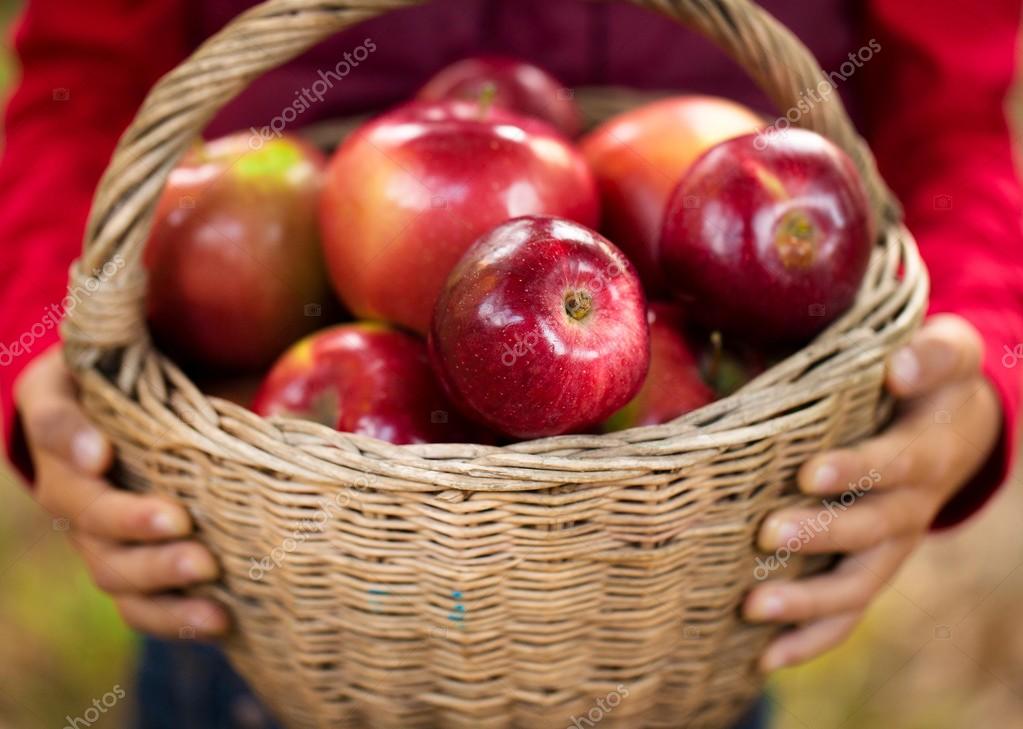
<point x="930" y="102"/>
<point x="578" y="40"/>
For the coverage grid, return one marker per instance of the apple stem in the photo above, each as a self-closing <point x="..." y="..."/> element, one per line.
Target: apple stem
<point x="578" y="304"/>
<point x="717" y="348"/>
<point x="488" y="93"/>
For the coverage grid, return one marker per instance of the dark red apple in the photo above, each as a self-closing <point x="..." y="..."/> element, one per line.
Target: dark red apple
<point x="235" y="266"/>
<point x="638" y="158"/>
<point x="408" y="194"/>
<point x="365" y="378"/>
<point x="511" y="83"/>
<point x="674" y="385"/>
<point x="768" y="241"/>
<point x="541" y="329"/>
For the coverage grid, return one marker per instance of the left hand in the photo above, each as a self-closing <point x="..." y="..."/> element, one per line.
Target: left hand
<point x="949" y="420"/>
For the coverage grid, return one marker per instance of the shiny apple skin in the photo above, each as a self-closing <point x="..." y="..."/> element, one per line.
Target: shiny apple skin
<point x="409" y="193"/>
<point x="638" y="158"/>
<point x="234" y="257"/>
<point x="515" y="85"/>
<point x="508" y="350"/>
<point x="365" y="378"/>
<point x="674" y="385"/>
<point x="769" y="242"/>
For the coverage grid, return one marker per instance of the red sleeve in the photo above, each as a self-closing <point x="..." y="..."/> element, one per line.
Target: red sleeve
<point x="85" y="69"/>
<point x="937" y="122"/>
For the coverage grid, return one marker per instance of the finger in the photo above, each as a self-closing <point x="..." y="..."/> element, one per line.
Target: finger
<point x="170" y="616"/>
<point x="849" y="588"/>
<point x="802" y="644"/>
<point x="117" y="569"/>
<point x="836" y="528"/>
<point x="93" y="507"/>
<point x="53" y="421"/>
<point x="946" y="349"/>
<point x="886" y="462"/>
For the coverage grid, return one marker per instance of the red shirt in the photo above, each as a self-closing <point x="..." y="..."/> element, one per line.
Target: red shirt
<point x="930" y="102"/>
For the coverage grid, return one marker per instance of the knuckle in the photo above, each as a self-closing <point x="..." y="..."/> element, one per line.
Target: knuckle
<point x="103" y="575"/>
<point x="872" y="530"/>
<point x="105" y="579"/>
<point x="129" y="613"/>
<point x="48" y="424"/>
<point x="47" y="495"/>
<point x="861" y="591"/>
<point x="959" y="335"/>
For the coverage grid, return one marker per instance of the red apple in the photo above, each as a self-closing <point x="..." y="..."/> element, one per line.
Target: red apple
<point x="408" y="194"/>
<point x="541" y="329"/>
<point x="235" y="265"/>
<point x="638" y="157"/>
<point x="768" y="237"/>
<point x="674" y="385"/>
<point x="365" y="378"/>
<point x="513" y="84"/>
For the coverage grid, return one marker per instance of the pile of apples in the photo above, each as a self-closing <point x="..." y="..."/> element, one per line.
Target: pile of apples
<point x="459" y="232"/>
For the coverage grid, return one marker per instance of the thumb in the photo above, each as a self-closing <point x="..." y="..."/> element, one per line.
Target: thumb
<point x="54" y="423"/>
<point x="946" y="349"/>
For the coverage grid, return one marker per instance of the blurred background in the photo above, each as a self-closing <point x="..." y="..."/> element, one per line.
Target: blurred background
<point x="943" y="649"/>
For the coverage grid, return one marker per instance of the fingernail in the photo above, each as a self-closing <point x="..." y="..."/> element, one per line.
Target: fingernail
<point x="824" y="478"/>
<point x="768" y="607"/>
<point x="87" y="449"/>
<point x="773" y="661"/>
<point x="906" y="367"/>
<point x="195" y="568"/>
<point x="780" y="533"/>
<point x="169" y="524"/>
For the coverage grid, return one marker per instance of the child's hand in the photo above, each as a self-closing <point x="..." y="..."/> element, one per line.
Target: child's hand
<point x="132" y="545"/>
<point x="947" y="426"/>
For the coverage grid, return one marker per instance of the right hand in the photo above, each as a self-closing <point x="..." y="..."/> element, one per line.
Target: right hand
<point x="135" y="547"/>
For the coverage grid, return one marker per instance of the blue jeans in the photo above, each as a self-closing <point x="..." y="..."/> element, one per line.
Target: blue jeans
<point x="189" y="685"/>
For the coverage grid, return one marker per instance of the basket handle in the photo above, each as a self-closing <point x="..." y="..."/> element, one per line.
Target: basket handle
<point x="112" y="317"/>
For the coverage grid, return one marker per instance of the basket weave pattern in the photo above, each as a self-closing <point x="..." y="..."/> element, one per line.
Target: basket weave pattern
<point x="464" y="585"/>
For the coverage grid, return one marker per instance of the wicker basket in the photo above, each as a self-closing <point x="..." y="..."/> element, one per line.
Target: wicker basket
<point x="465" y="585"/>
